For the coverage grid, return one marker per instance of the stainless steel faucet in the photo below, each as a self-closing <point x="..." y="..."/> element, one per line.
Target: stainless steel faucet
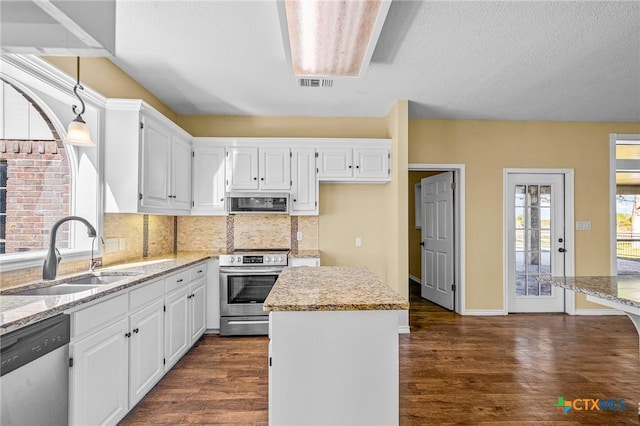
<point x="51" y="261"/>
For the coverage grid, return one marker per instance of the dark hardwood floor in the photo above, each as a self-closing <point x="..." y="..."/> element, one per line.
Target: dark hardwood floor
<point x="453" y="370"/>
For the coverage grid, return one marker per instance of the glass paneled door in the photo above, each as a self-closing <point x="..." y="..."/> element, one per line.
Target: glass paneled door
<point x="535" y="234"/>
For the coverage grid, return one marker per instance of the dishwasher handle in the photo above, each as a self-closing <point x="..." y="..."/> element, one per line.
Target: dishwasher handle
<point x="31" y="342"/>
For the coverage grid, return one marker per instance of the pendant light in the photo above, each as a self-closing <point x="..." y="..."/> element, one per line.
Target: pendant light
<point x="78" y="131"/>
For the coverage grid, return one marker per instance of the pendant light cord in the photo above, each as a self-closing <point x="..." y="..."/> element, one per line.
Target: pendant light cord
<point x="77" y="87"/>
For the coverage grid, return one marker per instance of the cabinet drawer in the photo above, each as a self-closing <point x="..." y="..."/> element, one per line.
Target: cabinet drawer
<point x="145" y="294"/>
<point x="197" y="271"/>
<point x="176" y="280"/>
<point x="87" y="319"/>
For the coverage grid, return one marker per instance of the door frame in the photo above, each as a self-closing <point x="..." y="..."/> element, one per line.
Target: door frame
<point x="458" y="224"/>
<point x="614" y="138"/>
<point x="569" y="233"/>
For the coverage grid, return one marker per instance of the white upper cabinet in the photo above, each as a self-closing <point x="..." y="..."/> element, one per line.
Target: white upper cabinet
<point x="253" y="168"/>
<point x="180" y="174"/>
<point x="242" y="168"/>
<point x="275" y="169"/>
<point x="147" y="161"/>
<point x="208" y="180"/>
<point x="304" y="188"/>
<point x="371" y="163"/>
<point x="354" y="161"/>
<point x="335" y="163"/>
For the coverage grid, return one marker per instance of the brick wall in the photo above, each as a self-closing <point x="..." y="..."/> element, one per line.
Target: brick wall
<point x="38" y="188"/>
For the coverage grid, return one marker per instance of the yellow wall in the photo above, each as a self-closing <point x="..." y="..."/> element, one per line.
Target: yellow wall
<point x="486" y="148"/>
<point x="396" y="200"/>
<point x="101" y="75"/>
<point x="251" y="126"/>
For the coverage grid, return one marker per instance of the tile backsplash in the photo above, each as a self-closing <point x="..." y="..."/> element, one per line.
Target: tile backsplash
<point x="163" y="234"/>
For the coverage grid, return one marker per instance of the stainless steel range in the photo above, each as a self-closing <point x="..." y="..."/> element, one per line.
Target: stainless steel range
<point x="246" y="278"/>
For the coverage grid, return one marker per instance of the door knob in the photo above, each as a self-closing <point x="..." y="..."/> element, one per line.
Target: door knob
<point x="422" y="243"/>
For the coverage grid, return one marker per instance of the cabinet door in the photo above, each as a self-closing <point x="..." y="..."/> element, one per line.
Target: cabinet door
<point x="99" y="377"/>
<point x="180" y="175"/>
<point x="242" y="168"/>
<point x="156" y="165"/>
<point x="208" y="180"/>
<point x="176" y="327"/>
<point x="371" y="163"/>
<point x="197" y="308"/>
<point x="304" y="195"/>
<point x="145" y="351"/>
<point x="275" y="168"/>
<point x="304" y="261"/>
<point x="334" y="163"/>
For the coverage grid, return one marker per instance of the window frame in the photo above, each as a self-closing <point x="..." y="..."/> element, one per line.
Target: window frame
<point x="51" y="90"/>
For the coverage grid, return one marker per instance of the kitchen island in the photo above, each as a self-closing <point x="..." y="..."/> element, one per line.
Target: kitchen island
<point x="618" y="292"/>
<point x="333" y="353"/>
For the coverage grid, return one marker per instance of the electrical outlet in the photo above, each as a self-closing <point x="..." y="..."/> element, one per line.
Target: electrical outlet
<point x="299" y="236"/>
<point x="122" y="244"/>
<point x="358" y="241"/>
<point x="111" y="245"/>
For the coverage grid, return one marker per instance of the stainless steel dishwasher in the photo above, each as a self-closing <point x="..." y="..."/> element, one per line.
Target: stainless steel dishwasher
<point x="34" y="374"/>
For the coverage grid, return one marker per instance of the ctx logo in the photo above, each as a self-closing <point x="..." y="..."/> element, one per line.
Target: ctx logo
<point x="590" y="404"/>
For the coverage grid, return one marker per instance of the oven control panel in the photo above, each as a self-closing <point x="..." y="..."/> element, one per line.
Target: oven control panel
<point x="253" y="259"/>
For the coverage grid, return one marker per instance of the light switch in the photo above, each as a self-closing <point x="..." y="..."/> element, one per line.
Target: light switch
<point x="583" y="226"/>
<point x="299" y="236"/>
<point x="122" y="244"/>
<point x="358" y="241"/>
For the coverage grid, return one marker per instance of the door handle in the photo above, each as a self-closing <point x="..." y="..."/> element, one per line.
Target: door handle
<point x="562" y="250"/>
<point x="422" y="243"/>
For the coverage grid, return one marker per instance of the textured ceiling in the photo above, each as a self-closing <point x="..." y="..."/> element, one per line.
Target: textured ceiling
<point x="568" y="61"/>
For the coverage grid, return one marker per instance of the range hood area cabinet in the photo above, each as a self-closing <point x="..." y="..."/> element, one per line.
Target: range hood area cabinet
<point x="147" y="161"/>
<point x="253" y="168"/>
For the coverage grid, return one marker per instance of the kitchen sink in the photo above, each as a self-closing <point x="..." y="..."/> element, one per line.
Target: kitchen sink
<point x="100" y="278"/>
<point x="78" y="284"/>
<point x="55" y="290"/>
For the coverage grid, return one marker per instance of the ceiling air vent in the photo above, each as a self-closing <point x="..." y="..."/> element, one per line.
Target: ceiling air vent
<point x="315" y="82"/>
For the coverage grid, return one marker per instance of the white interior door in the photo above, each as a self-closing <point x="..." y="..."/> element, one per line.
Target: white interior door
<point x="535" y="223"/>
<point x="437" y="239"/>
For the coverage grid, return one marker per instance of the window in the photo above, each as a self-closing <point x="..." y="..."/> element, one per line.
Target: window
<point x="35" y="177"/>
<point x="33" y="125"/>
<point x="3" y="204"/>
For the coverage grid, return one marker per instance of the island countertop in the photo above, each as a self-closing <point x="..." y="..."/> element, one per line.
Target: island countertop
<point x="332" y="288"/>
<point x="621" y="289"/>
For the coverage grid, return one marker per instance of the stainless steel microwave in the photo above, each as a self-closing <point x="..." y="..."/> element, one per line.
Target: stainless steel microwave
<point x="256" y="202"/>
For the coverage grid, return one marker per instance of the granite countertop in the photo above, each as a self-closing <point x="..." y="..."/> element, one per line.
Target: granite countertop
<point x="17" y="311"/>
<point x="332" y="288"/>
<point x="304" y="253"/>
<point x="622" y="289"/>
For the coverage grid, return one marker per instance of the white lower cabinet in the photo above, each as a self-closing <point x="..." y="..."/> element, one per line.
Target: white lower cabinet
<point x="197" y="310"/>
<point x="122" y="346"/>
<point x="146" y="365"/>
<point x="304" y="261"/>
<point x="99" y="376"/>
<point x="176" y="327"/>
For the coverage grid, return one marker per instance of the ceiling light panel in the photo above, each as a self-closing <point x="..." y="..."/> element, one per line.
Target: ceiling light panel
<point x="333" y="38"/>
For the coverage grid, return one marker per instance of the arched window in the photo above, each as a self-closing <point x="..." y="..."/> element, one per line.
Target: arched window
<point x="41" y="178"/>
<point x="35" y="179"/>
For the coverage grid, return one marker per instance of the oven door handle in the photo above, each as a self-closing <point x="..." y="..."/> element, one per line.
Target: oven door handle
<point x="249" y="271"/>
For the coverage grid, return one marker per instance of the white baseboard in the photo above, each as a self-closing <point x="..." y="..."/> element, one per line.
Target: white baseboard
<point x="598" y="312"/>
<point x="415" y="279"/>
<point x="484" y="312"/>
<point x="404" y="329"/>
